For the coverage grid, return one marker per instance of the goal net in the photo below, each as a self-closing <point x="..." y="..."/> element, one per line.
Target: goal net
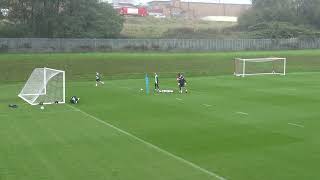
<point x="45" y="86"/>
<point x="259" y="66"/>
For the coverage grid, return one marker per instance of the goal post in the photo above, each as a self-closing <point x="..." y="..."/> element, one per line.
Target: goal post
<point x="45" y="85"/>
<point x="260" y="66"/>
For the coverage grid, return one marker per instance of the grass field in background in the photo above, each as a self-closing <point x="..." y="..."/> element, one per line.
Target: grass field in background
<point x="82" y="66"/>
<point x="142" y="27"/>
<point x="256" y="128"/>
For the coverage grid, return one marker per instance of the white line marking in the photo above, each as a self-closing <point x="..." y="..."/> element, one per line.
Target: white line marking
<point x="49" y="112"/>
<point x="207" y="105"/>
<point x="179" y="99"/>
<point x="243" y="113"/>
<point x="304" y="73"/>
<point x="152" y="146"/>
<point x="297" y="125"/>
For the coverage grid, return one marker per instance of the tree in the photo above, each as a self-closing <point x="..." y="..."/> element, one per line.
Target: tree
<point x="268" y="11"/>
<point x="284" y="15"/>
<point x="86" y="18"/>
<point x="308" y="11"/>
<point x="63" y="18"/>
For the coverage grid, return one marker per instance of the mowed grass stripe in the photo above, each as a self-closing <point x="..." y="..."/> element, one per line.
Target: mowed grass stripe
<point x="17" y="67"/>
<point x="269" y="110"/>
<point x="71" y="143"/>
<point x="152" y="146"/>
<point x="214" y="138"/>
<point x="247" y="89"/>
<point x="81" y="149"/>
<point x="56" y="137"/>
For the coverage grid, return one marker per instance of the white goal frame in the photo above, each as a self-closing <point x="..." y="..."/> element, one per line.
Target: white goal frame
<point x="44" y="88"/>
<point x="258" y="60"/>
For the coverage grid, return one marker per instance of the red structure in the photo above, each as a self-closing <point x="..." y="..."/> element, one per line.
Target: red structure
<point x="133" y="11"/>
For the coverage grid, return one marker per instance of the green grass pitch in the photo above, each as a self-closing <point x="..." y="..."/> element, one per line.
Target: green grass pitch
<point x="226" y="127"/>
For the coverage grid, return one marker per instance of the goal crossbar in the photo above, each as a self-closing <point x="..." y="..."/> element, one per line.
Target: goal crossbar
<point x="261" y="59"/>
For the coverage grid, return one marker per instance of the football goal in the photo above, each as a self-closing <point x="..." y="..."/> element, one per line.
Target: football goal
<point x="44" y="86"/>
<point x="259" y="66"/>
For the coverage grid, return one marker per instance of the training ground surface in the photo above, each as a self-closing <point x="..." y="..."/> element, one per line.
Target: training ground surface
<point x="226" y="127"/>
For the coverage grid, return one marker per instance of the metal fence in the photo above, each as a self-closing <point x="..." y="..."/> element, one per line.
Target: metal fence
<point x="108" y="45"/>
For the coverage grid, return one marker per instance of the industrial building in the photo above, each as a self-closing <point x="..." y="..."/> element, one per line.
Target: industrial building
<point x="198" y="8"/>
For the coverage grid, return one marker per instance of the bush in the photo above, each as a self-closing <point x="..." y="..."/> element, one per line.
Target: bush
<point x="277" y="30"/>
<point x="61" y="19"/>
<point x="10" y="30"/>
<point x="190" y="33"/>
<point x="4" y="48"/>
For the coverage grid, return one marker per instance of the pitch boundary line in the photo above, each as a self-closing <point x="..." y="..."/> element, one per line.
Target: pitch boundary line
<point x="297" y="125"/>
<point x="243" y="113"/>
<point x="304" y="72"/>
<point x="51" y="112"/>
<point x="151" y="145"/>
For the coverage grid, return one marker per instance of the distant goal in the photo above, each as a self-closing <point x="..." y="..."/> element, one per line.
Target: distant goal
<point x="260" y="66"/>
<point x="44" y="86"/>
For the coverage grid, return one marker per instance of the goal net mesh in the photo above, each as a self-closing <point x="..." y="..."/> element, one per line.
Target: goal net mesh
<point x="243" y="67"/>
<point x="45" y="86"/>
